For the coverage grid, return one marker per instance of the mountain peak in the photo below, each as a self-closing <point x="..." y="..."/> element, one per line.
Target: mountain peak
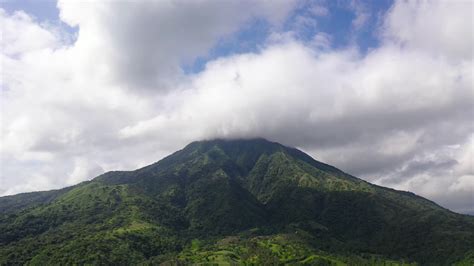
<point x="240" y="143"/>
<point x="236" y="140"/>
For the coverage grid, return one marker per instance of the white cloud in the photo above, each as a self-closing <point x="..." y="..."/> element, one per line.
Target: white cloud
<point x="63" y="105"/>
<point x="18" y="31"/>
<point x="445" y="174"/>
<point x="83" y="170"/>
<point x="141" y="44"/>
<point x="443" y="28"/>
<point x="319" y="10"/>
<point x="321" y="41"/>
<point x="362" y="15"/>
<point x="463" y="183"/>
<point x="117" y="98"/>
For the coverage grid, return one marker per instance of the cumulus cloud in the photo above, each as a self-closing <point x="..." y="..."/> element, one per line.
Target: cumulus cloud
<point x="117" y="98"/>
<point x="19" y="29"/>
<point x="444" y="28"/>
<point x="140" y="44"/>
<point x="64" y="105"/>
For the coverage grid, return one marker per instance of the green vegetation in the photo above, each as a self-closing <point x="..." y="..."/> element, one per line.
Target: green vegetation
<point x="270" y="250"/>
<point x="231" y="202"/>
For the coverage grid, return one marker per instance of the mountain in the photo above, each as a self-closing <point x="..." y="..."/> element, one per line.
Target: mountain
<point x="231" y="202"/>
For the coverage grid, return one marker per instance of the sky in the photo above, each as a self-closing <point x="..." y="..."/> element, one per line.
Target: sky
<point x="380" y="89"/>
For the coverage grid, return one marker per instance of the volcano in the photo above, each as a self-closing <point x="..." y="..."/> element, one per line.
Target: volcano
<point x="231" y="202"/>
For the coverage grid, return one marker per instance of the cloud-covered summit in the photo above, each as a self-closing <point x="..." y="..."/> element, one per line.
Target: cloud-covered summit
<point x="116" y="96"/>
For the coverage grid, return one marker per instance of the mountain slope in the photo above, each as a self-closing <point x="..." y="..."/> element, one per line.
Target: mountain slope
<point x="267" y="198"/>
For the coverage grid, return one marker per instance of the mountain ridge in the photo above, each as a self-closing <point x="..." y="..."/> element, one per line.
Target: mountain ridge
<point x="124" y="172"/>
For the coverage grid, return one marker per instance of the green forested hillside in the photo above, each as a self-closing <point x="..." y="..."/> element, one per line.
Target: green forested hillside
<point x="231" y="202"/>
